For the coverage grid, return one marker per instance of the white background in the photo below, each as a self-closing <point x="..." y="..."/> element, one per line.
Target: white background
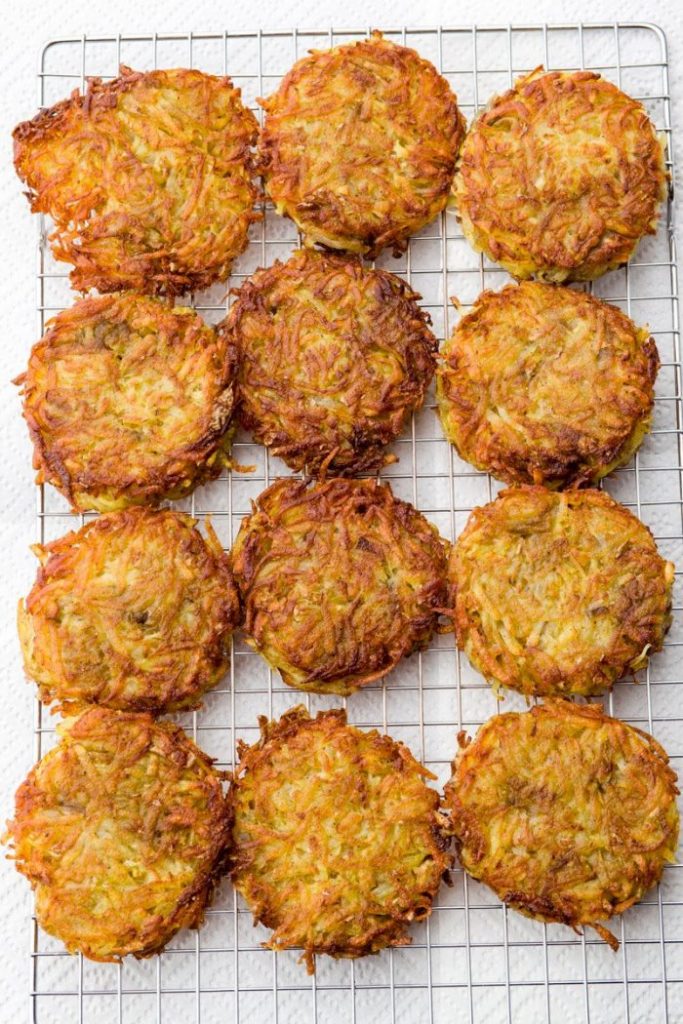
<point x="25" y="27"/>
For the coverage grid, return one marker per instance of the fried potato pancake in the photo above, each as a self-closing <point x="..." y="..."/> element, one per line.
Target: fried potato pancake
<point x="359" y="145"/>
<point x="558" y="593"/>
<point x="542" y="384"/>
<point x="338" y="843"/>
<point x="128" y="401"/>
<point x="123" y="832"/>
<point x="332" y="358"/>
<point x="560" y="177"/>
<point x="133" y="611"/>
<point x="567" y="814"/>
<point x="148" y="179"/>
<point x="338" y="581"/>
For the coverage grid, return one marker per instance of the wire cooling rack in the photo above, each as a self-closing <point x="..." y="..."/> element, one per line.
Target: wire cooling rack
<point x="472" y="961"/>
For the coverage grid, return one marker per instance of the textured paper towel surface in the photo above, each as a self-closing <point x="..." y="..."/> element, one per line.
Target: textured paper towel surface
<point x="25" y="28"/>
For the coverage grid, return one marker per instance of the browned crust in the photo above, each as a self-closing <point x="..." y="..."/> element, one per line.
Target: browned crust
<point x="148" y="178"/>
<point x="559" y="593"/>
<point x="359" y="145"/>
<point x="158" y="797"/>
<point x="326" y="818"/>
<point x="127" y="401"/>
<point x="332" y="356"/>
<point x="134" y="611"/>
<point x="541" y="384"/>
<point x="567" y="814"/>
<point x="338" y="581"/>
<point x="560" y="177"/>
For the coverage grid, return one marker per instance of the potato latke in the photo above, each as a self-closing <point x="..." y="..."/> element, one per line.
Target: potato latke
<point x="567" y="814"/>
<point x="560" y="177"/>
<point x="123" y="832"/>
<point x="332" y="357"/>
<point x="558" y="593"/>
<point x="359" y="145"/>
<point x="128" y="401"/>
<point x="338" y="581"/>
<point x="133" y="611"/>
<point x="148" y="179"/>
<point x="338" y="842"/>
<point x="542" y="384"/>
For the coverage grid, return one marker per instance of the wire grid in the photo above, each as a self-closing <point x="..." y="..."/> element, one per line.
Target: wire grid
<point x="472" y="961"/>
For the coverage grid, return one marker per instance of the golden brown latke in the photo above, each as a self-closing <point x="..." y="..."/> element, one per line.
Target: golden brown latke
<point x="133" y="611"/>
<point x="558" y="593"/>
<point x="359" y="145"/>
<point x="123" y="832"/>
<point x="567" y="814"/>
<point x="332" y="357"/>
<point x="338" y="843"/>
<point x="338" y="581"/>
<point x="148" y="179"/>
<point x="547" y="385"/>
<point x="128" y="401"/>
<point x="560" y="177"/>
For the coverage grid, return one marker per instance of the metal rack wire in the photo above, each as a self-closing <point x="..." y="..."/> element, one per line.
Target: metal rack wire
<point x="472" y="961"/>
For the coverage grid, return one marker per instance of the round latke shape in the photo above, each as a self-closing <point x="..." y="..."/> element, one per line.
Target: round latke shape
<point x="123" y="831"/>
<point x="541" y="384"/>
<point x="128" y="401"/>
<point x="338" y="581"/>
<point x="148" y="179"/>
<point x="338" y="842"/>
<point x="133" y="611"/>
<point x="567" y="814"/>
<point x="558" y="592"/>
<point x="560" y="177"/>
<point x="359" y="145"/>
<point x="332" y="358"/>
